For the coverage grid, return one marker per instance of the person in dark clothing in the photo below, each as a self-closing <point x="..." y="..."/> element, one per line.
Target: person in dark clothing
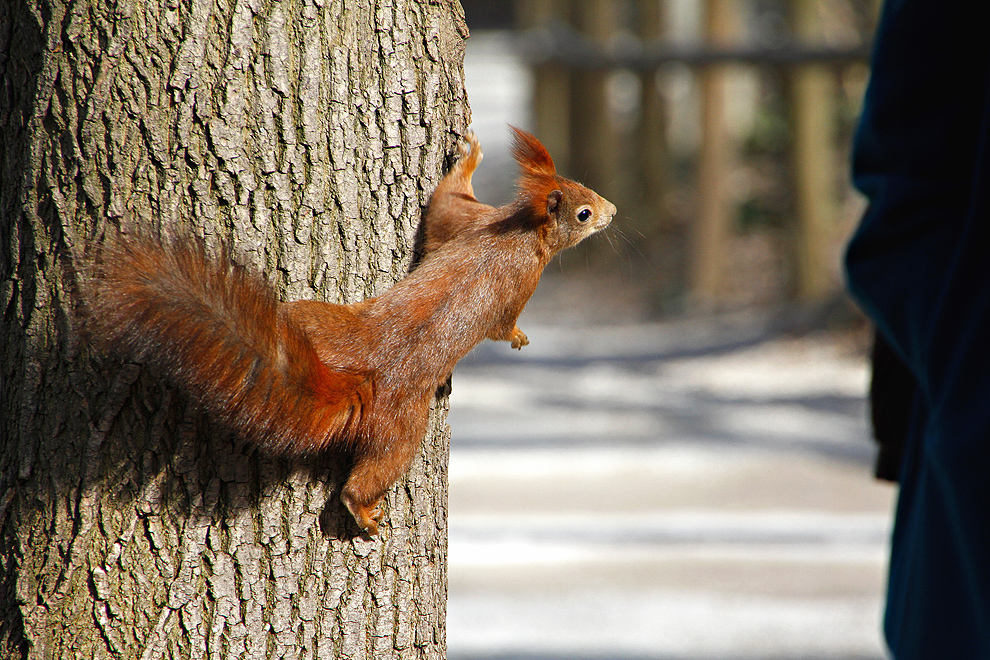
<point x="919" y="265"/>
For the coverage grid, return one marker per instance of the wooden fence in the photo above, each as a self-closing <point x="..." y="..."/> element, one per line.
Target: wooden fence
<point x="574" y="45"/>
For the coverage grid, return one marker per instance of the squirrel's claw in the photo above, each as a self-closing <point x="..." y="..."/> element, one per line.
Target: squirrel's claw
<point x="367" y="518"/>
<point x="518" y="338"/>
<point x="470" y="146"/>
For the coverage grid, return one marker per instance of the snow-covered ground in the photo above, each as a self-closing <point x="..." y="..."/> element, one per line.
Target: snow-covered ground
<point x="664" y="491"/>
<point x="691" y="490"/>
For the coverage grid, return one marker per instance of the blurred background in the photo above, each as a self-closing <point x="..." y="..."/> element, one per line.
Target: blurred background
<point x="679" y="465"/>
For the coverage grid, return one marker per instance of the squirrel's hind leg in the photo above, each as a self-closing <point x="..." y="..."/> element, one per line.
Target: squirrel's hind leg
<point x="380" y="462"/>
<point x="370" y="479"/>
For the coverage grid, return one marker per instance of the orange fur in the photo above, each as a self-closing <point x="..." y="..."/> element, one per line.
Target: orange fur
<point x="305" y="376"/>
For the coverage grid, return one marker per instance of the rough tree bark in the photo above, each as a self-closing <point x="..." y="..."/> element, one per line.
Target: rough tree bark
<point x="308" y="135"/>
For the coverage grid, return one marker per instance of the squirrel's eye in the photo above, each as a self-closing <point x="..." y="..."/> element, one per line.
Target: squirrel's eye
<point x="583" y="215"/>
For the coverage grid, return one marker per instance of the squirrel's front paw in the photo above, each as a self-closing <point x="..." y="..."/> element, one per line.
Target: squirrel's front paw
<point x="470" y="146"/>
<point x="518" y="338"/>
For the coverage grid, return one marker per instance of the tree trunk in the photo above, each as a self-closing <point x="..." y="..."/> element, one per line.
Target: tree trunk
<point x="308" y="135"/>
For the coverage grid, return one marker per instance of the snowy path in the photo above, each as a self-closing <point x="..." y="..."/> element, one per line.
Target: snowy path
<point x="670" y="492"/>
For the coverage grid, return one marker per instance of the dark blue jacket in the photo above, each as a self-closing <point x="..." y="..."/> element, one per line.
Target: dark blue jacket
<point x="919" y="265"/>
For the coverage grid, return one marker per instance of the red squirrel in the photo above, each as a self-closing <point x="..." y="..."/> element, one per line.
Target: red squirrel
<point x="301" y="377"/>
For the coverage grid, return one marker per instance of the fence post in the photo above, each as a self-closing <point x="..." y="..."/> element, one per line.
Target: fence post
<point x="712" y="228"/>
<point x="551" y="84"/>
<point x="813" y="159"/>
<point x="594" y="152"/>
<point x="650" y="143"/>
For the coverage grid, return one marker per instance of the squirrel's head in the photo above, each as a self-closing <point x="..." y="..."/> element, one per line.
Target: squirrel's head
<point x="569" y="211"/>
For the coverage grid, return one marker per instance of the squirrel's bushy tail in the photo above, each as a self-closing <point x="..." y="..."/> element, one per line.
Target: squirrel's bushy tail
<point x="217" y="330"/>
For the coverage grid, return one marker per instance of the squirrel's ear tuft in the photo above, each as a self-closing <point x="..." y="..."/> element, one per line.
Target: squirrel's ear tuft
<point x="531" y="155"/>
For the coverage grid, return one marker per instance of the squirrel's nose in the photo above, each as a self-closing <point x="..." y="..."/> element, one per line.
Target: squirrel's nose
<point x="609" y="212"/>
